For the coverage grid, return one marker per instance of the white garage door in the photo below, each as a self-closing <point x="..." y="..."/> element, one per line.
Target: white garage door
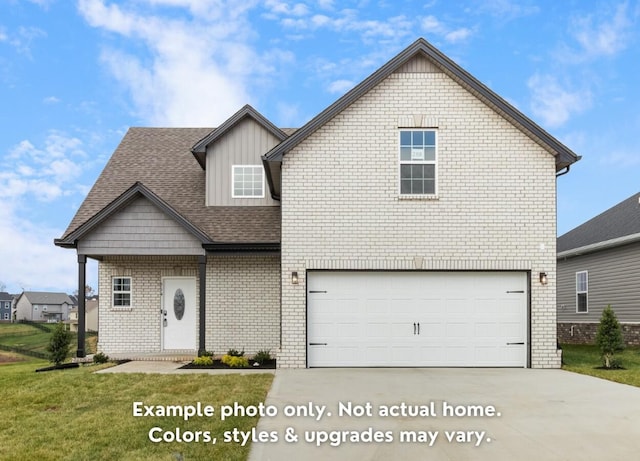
<point x="409" y="319"/>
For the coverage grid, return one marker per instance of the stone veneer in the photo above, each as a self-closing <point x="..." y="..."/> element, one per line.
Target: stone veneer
<point x="585" y="333"/>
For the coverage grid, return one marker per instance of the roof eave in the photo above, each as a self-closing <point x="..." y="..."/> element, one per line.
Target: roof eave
<point x="564" y="156"/>
<point x="599" y="246"/>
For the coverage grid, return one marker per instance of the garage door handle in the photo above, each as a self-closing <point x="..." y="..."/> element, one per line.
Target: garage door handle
<point x="414" y="328"/>
<point x="317" y="344"/>
<point x="515" y="344"/>
<point x="515" y="291"/>
<point x="317" y="291"/>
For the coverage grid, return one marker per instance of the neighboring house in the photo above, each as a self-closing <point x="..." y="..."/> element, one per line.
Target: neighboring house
<point x="411" y="223"/>
<point x="6" y="300"/>
<point x="599" y="264"/>
<point x="41" y="306"/>
<point x="91" y="319"/>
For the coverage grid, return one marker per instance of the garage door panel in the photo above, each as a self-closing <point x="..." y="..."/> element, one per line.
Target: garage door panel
<point x="465" y="319"/>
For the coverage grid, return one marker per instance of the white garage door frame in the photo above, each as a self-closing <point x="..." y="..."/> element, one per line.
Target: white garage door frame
<point x="527" y="314"/>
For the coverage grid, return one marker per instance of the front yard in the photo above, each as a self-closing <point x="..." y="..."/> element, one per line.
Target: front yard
<point x="77" y="415"/>
<point x="586" y="360"/>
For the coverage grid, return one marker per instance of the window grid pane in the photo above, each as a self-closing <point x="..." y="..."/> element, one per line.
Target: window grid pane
<point x="417" y="162"/>
<point x="248" y="181"/>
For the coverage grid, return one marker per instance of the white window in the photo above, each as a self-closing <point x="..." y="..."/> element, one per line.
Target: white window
<point x="418" y="162"/>
<point x="6" y="316"/>
<point x="122" y="292"/>
<point x="582" y="292"/>
<point x="248" y="181"/>
<point x="35" y="307"/>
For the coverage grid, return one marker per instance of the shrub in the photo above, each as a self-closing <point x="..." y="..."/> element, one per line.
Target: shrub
<point x="100" y="358"/>
<point x="203" y="361"/>
<point x="609" y="338"/>
<point x="262" y="356"/>
<point x="235" y="361"/>
<point x="59" y="344"/>
<point x="235" y="353"/>
<point x="207" y="354"/>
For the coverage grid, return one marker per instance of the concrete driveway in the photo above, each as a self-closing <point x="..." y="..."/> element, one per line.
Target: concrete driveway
<point x="520" y="414"/>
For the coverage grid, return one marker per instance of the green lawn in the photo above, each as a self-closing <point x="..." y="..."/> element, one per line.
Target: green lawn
<point x="586" y="360"/>
<point x="28" y="337"/>
<point x="79" y="415"/>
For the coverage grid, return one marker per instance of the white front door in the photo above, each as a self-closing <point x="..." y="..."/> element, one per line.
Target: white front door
<point x="179" y="313"/>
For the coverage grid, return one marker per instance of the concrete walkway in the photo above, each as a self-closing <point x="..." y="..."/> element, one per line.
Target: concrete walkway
<point x="540" y="415"/>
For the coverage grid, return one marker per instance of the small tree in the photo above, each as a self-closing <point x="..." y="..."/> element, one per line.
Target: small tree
<point x="59" y="344"/>
<point x="609" y="337"/>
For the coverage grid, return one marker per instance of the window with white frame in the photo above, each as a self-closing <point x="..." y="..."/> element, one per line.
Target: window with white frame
<point x="247" y="181"/>
<point x="122" y="292"/>
<point x="6" y="316"/>
<point x="418" y="162"/>
<point x="582" y="292"/>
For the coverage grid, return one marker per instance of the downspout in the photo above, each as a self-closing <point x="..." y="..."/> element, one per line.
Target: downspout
<point x="564" y="172"/>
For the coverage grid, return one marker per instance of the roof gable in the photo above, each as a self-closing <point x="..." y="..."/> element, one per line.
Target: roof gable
<point x="417" y="54"/>
<point x="44" y="297"/>
<point x="199" y="150"/>
<point x="120" y="203"/>
<point x="613" y="225"/>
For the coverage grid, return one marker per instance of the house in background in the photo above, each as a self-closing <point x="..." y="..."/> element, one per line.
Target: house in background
<point x="41" y="306"/>
<point x="411" y="223"/>
<point x="6" y="301"/>
<point x="599" y="264"/>
<point x="91" y="319"/>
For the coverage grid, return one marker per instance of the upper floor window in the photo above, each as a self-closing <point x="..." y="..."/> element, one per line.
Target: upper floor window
<point x="122" y="292"/>
<point x="582" y="292"/>
<point x="418" y="158"/>
<point x="248" y="181"/>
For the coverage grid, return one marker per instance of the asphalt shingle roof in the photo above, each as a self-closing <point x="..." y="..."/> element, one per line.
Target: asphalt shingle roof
<point x="161" y="159"/>
<point x="619" y="221"/>
<point x="45" y="297"/>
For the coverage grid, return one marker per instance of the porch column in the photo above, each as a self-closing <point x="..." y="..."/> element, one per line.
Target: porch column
<point x="202" y="273"/>
<point x="82" y="295"/>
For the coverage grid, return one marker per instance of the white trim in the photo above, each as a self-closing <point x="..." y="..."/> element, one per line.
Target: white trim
<point x="233" y="180"/>
<point x="433" y="162"/>
<point x="599" y="246"/>
<point x="585" y="292"/>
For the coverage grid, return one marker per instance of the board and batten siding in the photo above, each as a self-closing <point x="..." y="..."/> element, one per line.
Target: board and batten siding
<point x="140" y="229"/>
<point x="243" y="145"/>
<point x="614" y="278"/>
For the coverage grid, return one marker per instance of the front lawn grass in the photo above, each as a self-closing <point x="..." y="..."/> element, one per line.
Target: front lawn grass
<point x="586" y="359"/>
<point x="30" y="338"/>
<point x="76" y="414"/>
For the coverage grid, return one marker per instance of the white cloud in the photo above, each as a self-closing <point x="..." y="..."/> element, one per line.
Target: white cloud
<point x="553" y="103"/>
<point x="51" y="100"/>
<point x="196" y="62"/>
<point x="340" y="86"/>
<point x="431" y="25"/>
<point x="507" y="9"/>
<point x="22" y="39"/>
<point x="621" y="159"/>
<point x="602" y="33"/>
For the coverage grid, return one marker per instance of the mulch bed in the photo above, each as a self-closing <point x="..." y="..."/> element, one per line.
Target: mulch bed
<point x="218" y="365"/>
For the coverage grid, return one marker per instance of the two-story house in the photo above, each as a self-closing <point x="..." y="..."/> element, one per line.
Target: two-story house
<point x="43" y="306"/>
<point x="410" y="223"/>
<point x="6" y="301"/>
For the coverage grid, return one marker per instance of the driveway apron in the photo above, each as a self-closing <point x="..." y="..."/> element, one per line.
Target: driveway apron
<point x="464" y="414"/>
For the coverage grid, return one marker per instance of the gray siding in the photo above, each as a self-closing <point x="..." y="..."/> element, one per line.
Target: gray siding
<point x="419" y="64"/>
<point x="614" y="278"/>
<point x="243" y="145"/>
<point x="140" y="229"/>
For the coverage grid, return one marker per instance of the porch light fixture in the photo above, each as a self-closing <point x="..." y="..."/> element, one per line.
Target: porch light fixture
<point x="294" y="278"/>
<point x="543" y="278"/>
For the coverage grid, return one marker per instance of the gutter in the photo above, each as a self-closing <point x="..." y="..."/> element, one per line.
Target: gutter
<point x="632" y="238"/>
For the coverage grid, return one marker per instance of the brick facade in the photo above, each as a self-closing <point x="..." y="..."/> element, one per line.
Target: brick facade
<point x="495" y="208"/>
<point x="242" y="302"/>
<point x="585" y="333"/>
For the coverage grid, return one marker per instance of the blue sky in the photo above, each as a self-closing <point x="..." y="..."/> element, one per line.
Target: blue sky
<point x="74" y="75"/>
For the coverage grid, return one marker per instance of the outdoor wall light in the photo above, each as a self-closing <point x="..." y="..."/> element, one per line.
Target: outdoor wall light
<point x="294" y="278"/>
<point x="543" y="278"/>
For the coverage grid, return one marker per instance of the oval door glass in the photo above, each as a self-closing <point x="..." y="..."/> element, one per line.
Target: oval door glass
<point x="178" y="304"/>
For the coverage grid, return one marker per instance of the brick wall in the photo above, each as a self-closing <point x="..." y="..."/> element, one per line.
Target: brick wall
<point x="495" y="208"/>
<point x="585" y="333"/>
<point x="242" y="299"/>
<point x="243" y="303"/>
